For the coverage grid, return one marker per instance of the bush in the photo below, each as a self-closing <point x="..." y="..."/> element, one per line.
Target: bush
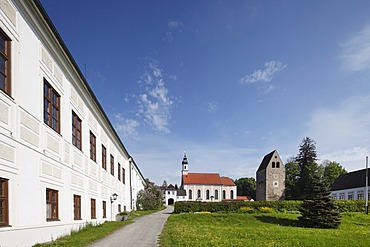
<point x="351" y="206"/>
<point x="241" y="206"/>
<point x="266" y="210"/>
<point x="245" y="209"/>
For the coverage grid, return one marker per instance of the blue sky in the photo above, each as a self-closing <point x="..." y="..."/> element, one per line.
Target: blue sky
<point x="225" y="81"/>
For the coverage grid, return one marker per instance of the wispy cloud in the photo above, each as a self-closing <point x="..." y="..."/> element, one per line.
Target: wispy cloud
<point x="342" y="133"/>
<point x="269" y="89"/>
<point x="265" y="74"/>
<point x="356" y="51"/>
<point x="155" y="103"/>
<point x="173" y="26"/>
<point x="126" y="127"/>
<point x="212" y="106"/>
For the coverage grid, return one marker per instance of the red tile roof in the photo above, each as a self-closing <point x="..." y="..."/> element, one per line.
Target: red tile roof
<point x="206" y="178"/>
<point x="227" y="181"/>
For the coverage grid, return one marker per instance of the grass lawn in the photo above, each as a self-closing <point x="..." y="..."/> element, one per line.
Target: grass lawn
<point x="258" y="229"/>
<point x="90" y="234"/>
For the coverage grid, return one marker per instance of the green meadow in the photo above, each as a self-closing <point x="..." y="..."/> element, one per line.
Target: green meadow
<point x="261" y="229"/>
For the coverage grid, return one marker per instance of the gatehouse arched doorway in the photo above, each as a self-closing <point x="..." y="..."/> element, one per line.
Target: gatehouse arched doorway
<point x="171" y="201"/>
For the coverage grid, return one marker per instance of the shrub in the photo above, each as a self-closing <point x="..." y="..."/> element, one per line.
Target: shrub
<point x="246" y="209"/>
<point x="266" y="210"/>
<point x="280" y="206"/>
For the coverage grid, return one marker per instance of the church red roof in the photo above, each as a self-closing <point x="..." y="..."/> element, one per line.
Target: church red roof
<point x="206" y="178"/>
<point x="227" y="181"/>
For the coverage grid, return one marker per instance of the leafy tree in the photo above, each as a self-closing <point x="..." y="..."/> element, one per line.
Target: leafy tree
<point x="332" y="170"/>
<point x="318" y="209"/>
<point x="291" y="180"/>
<point x="308" y="168"/>
<point x="246" y="187"/>
<point x="150" y="197"/>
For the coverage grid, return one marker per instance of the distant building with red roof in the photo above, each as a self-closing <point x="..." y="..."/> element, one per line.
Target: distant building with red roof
<point x="206" y="187"/>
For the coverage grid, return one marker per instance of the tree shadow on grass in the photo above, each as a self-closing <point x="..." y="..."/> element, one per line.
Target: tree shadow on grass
<point x="277" y="221"/>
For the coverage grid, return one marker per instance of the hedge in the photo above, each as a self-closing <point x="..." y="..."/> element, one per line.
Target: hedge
<point x="280" y="206"/>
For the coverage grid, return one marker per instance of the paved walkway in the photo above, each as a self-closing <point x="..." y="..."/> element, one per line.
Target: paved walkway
<point x="144" y="232"/>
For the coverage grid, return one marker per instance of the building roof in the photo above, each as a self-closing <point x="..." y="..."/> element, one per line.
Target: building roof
<point x="170" y="187"/>
<point x="206" y="178"/>
<point x="350" y="180"/>
<point x="227" y="181"/>
<point x="265" y="162"/>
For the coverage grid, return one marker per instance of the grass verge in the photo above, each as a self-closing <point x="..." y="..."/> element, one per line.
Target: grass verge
<point x="91" y="233"/>
<point x="259" y="229"/>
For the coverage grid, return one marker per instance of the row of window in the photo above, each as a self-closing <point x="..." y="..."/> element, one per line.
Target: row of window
<point x="52" y="119"/>
<point x="52" y="205"/>
<point x="351" y="196"/>
<point x="52" y="107"/>
<point x="199" y="195"/>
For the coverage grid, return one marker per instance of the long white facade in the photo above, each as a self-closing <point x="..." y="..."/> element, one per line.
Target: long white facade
<point x="52" y="173"/>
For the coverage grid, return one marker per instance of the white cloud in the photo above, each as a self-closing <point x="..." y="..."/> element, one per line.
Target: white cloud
<point x="173" y="26"/>
<point x="266" y="74"/>
<point x="212" y="106"/>
<point x="126" y="127"/>
<point x="342" y="133"/>
<point x="155" y="103"/>
<point x="270" y="88"/>
<point x="356" y="51"/>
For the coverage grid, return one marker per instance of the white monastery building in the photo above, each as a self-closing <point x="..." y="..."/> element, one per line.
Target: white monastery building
<point x="62" y="163"/>
<point x="351" y="186"/>
<point x="206" y="187"/>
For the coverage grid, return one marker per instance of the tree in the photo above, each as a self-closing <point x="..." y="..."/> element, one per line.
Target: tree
<point x="332" y="170"/>
<point x="291" y="180"/>
<point x="308" y="168"/>
<point x="246" y="187"/>
<point x="150" y="197"/>
<point x="318" y="209"/>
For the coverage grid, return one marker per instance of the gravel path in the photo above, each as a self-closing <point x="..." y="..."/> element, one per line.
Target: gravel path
<point x="143" y="232"/>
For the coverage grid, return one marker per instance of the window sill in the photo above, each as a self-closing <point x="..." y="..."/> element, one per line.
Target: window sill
<point x="51" y="220"/>
<point x="5" y="226"/>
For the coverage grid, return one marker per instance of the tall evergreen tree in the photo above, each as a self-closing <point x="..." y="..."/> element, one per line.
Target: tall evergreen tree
<point x="308" y="167"/>
<point x="318" y="209"/>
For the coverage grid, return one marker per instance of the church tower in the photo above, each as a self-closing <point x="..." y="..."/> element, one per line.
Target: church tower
<point x="271" y="178"/>
<point x="184" y="169"/>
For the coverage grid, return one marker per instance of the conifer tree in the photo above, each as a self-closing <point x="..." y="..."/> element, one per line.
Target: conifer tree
<point x="318" y="209"/>
<point x="306" y="160"/>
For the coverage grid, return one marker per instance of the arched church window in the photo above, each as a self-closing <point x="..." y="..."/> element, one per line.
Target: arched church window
<point x="207" y="194"/>
<point x="199" y="195"/>
<point x="231" y="194"/>
<point x="190" y="194"/>
<point x="273" y="164"/>
<point x="223" y="195"/>
<point x="216" y="194"/>
<point x="277" y="164"/>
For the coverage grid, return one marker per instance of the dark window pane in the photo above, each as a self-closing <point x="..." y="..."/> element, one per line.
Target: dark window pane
<point x="2" y="64"/>
<point x="2" y="82"/>
<point x="55" y="113"/>
<point x="55" y="99"/>
<point x="2" y="43"/>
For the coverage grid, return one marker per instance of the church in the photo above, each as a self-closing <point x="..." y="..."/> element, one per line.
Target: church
<point x="206" y="187"/>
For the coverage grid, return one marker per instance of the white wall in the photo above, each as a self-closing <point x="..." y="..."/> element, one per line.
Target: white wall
<point x="35" y="157"/>
<point x="203" y="189"/>
<point x="355" y="191"/>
